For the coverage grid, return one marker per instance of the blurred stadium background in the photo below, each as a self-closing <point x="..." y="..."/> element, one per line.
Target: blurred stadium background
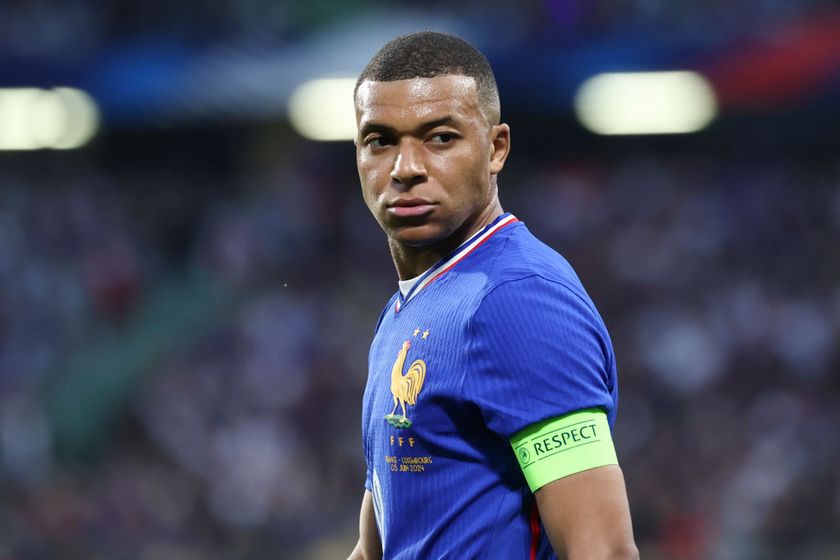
<point x="188" y="286"/>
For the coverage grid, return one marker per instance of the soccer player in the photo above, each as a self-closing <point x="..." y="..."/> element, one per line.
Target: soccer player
<point x="491" y="391"/>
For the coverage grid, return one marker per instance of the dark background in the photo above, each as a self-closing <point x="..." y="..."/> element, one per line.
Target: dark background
<point x="186" y="302"/>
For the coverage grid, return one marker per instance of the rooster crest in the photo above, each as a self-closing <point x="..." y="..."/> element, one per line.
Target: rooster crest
<point x="405" y="388"/>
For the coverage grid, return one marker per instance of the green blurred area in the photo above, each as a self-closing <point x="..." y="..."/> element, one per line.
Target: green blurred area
<point x="86" y="400"/>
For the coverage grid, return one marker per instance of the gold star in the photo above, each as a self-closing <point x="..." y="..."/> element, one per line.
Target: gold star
<point x="425" y="334"/>
<point x="416" y="332"/>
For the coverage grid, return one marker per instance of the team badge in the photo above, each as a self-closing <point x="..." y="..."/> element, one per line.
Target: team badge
<point x="406" y="386"/>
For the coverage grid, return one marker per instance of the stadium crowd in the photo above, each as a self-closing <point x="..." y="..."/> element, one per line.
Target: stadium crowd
<point x="78" y="30"/>
<point x="717" y="278"/>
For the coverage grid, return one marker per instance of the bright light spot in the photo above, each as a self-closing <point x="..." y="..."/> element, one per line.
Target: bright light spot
<point x="646" y="103"/>
<point x="82" y="118"/>
<point x="323" y="109"/>
<point x="33" y="119"/>
<point x="47" y="119"/>
<point x="14" y="117"/>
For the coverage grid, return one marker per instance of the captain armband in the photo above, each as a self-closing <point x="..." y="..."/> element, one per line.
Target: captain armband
<point x="564" y="445"/>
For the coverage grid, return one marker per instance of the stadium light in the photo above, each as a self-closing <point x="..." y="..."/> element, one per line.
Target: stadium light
<point x="676" y="102"/>
<point x="323" y="109"/>
<point x="82" y="118"/>
<point x="34" y="119"/>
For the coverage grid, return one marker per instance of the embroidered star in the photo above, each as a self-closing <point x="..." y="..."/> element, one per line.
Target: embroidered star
<point x="416" y="332"/>
<point x="425" y="334"/>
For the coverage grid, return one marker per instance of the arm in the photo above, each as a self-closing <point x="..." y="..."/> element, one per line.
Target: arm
<point x="586" y="515"/>
<point x="368" y="547"/>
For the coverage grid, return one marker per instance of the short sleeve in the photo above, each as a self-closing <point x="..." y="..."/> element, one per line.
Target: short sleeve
<point x="537" y="350"/>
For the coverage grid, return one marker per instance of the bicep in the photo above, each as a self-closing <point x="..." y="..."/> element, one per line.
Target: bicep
<point x="586" y="514"/>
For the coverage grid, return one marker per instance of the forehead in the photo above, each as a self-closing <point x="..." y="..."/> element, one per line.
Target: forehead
<point x="417" y="98"/>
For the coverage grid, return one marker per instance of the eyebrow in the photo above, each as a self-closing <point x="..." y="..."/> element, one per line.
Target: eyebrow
<point x="369" y="127"/>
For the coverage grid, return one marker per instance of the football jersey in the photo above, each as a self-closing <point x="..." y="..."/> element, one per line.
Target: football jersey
<point x="496" y="337"/>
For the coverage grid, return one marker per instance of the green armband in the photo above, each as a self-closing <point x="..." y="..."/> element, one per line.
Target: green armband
<point x="564" y="445"/>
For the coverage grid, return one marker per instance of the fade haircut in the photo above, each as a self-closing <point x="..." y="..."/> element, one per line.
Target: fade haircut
<point x="427" y="54"/>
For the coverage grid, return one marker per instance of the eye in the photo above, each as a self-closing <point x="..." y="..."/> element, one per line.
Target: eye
<point x="443" y="137"/>
<point x="377" y="141"/>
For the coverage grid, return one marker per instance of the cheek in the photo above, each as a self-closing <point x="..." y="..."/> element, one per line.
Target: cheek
<point x="465" y="173"/>
<point x="370" y="178"/>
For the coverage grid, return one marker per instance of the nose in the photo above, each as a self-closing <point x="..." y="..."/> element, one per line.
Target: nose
<point x="409" y="168"/>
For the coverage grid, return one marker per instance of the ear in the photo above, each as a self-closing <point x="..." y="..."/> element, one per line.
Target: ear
<point x="499" y="147"/>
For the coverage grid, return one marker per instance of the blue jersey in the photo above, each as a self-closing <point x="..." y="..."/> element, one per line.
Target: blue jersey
<point x="496" y="337"/>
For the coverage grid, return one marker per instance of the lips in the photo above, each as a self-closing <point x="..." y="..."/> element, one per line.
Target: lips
<point x="410" y="207"/>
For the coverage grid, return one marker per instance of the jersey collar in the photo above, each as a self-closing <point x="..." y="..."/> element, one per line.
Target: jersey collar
<point x="454" y="258"/>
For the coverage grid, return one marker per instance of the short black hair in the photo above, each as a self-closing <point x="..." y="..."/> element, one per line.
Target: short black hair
<point x="427" y="54"/>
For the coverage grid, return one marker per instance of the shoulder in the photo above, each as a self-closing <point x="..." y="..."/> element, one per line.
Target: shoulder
<point x="532" y="291"/>
<point x="522" y="259"/>
<point x="536" y="346"/>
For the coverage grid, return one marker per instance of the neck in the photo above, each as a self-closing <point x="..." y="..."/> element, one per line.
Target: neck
<point x="412" y="261"/>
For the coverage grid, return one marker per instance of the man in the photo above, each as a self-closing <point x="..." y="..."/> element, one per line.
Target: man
<point x="492" y="386"/>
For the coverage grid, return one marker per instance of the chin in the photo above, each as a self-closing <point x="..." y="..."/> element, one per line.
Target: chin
<point x="418" y="235"/>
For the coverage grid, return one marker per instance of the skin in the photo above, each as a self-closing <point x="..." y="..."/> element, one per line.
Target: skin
<point x="369" y="546"/>
<point x="429" y="141"/>
<point x="586" y="515"/>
